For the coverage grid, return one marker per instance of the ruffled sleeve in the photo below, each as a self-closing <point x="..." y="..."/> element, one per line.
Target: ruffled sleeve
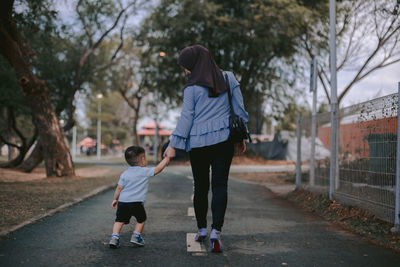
<point x="177" y="142"/>
<point x="184" y="126"/>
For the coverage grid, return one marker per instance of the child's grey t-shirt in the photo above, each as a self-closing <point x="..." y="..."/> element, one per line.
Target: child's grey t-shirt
<point x="135" y="181"/>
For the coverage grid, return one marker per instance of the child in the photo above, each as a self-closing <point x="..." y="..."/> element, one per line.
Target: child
<point x="130" y="194"/>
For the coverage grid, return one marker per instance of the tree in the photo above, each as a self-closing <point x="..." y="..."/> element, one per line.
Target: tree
<point x="287" y="121"/>
<point x="255" y="39"/>
<point x="69" y="61"/>
<point x="126" y="78"/>
<point x="114" y="117"/>
<point x="18" y="53"/>
<point x="368" y="36"/>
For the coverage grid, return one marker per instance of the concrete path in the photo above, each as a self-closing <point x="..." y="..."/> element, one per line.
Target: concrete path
<point x="260" y="230"/>
<point x="250" y="168"/>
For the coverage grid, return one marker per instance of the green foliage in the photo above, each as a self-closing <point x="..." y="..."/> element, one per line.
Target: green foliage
<point x="255" y="39"/>
<point x="289" y="118"/>
<point x="11" y="97"/>
<point x="11" y="94"/>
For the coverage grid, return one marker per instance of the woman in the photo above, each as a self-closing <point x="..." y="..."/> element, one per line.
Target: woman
<point x="203" y="131"/>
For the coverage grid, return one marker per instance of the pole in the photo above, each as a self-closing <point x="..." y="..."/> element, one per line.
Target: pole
<point x="396" y="228"/>
<point x="74" y="143"/>
<point x="313" y="121"/>
<point x="298" y="160"/>
<point x="99" y="130"/>
<point x="156" y="144"/>
<point x="156" y="136"/>
<point x="332" y="45"/>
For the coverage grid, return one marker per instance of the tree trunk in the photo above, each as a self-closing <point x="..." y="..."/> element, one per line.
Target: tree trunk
<point x="11" y="138"/>
<point x="17" y="160"/>
<point x="56" y="154"/>
<point x="12" y="151"/>
<point x="23" y="148"/>
<point x="134" y="130"/>
<point x="34" y="159"/>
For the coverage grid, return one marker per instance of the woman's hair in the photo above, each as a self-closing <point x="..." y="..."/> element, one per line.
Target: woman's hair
<point x="132" y="154"/>
<point x="203" y="69"/>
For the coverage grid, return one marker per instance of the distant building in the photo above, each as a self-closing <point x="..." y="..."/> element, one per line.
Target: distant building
<point x="88" y="146"/>
<point x="147" y="134"/>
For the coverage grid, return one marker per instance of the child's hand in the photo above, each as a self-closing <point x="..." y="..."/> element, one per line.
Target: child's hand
<point x="114" y="204"/>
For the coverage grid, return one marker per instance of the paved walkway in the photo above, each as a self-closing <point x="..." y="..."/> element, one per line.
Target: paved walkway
<point x="260" y="230"/>
<point x="249" y="168"/>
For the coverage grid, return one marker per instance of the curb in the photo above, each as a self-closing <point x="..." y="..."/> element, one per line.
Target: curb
<point x="32" y="220"/>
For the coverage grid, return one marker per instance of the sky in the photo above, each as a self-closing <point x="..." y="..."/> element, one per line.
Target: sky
<point x="379" y="83"/>
<point x="382" y="82"/>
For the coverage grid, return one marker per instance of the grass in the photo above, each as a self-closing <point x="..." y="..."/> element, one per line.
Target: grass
<point x="20" y="201"/>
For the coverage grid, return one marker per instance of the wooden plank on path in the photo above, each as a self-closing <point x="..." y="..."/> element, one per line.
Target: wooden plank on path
<point x="192" y="245"/>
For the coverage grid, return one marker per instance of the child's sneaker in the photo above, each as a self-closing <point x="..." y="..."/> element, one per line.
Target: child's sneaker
<point x="137" y="239"/>
<point x="201" y="235"/>
<point x="215" y="241"/>
<point x="114" y="242"/>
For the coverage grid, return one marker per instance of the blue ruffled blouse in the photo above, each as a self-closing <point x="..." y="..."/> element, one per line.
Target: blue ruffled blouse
<point x="204" y="120"/>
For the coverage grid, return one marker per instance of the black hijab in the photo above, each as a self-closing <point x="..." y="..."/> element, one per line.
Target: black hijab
<point x="204" y="70"/>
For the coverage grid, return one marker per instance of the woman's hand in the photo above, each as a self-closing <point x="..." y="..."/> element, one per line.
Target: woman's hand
<point x="170" y="152"/>
<point x="114" y="204"/>
<point x="239" y="148"/>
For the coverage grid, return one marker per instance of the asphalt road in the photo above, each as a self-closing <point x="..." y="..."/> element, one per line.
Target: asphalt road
<point x="260" y="230"/>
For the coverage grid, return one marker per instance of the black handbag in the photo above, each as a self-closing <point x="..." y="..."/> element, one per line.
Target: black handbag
<point x="237" y="126"/>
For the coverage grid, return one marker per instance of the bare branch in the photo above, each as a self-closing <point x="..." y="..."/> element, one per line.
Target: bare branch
<point x="121" y="38"/>
<point x="85" y="26"/>
<point x="91" y="49"/>
<point x="346" y="56"/>
<point x="359" y="75"/>
<point x="379" y="66"/>
<point x="324" y="85"/>
<point x="113" y="26"/>
<point x="126" y="98"/>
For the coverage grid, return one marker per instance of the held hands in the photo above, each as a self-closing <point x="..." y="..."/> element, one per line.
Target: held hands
<point x="169" y="152"/>
<point x="239" y="148"/>
<point x="114" y="204"/>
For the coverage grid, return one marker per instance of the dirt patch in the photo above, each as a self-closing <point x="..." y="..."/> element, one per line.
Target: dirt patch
<point x="257" y="160"/>
<point x="10" y="175"/>
<point x="25" y="198"/>
<point x="267" y="177"/>
<point x="244" y="160"/>
<point x="354" y="219"/>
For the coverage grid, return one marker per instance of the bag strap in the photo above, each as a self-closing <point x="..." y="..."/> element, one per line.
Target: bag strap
<point x="229" y="93"/>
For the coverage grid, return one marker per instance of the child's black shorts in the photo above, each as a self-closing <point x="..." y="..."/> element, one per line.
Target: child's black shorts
<point x="125" y="210"/>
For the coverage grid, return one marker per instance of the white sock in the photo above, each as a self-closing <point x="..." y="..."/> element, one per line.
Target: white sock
<point x="214" y="234"/>
<point x="202" y="231"/>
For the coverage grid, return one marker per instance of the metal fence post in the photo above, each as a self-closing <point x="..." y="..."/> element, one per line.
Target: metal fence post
<point x="332" y="45"/>
<point x="298" y="161"/>
<point x="313" y="121"/>
<point x="396" y="228"/>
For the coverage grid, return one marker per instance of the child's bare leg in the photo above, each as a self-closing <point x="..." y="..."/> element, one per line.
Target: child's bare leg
<point x="139" y="227"/>
<point x="117" y="227"/>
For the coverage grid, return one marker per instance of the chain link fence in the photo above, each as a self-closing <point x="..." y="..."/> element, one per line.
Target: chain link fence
<point x="366" y="165"/>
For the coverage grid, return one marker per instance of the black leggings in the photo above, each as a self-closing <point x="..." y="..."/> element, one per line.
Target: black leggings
<point x="219" y="157"/>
